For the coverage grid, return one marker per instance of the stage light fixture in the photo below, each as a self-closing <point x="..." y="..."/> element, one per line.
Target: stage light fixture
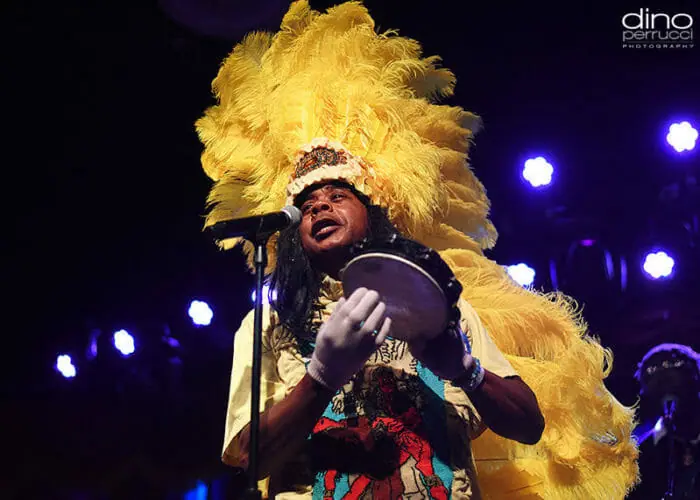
<point x="538" y="172"/>
<point x="658" y="265"/>
<point x="124" y="342"/>
<point x="64" y="365"/>
<point x="682" y="136"/>
<point x="523" y="274"/>
<point x="200" y="312"/>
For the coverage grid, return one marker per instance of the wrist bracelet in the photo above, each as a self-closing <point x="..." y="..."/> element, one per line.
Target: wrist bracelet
<point x="473" y="378"/>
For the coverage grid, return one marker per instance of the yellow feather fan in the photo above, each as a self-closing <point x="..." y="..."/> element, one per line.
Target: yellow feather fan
<point x="329" y="80"/>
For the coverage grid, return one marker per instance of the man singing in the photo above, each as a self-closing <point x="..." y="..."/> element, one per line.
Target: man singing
<point x="340" y="121"/>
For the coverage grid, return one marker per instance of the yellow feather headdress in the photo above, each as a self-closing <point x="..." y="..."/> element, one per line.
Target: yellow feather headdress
<point x="327" y="97"/>
<point x="331" y="78"/>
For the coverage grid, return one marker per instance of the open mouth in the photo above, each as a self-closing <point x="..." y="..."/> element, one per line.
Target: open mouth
<point x="324" y="228"/>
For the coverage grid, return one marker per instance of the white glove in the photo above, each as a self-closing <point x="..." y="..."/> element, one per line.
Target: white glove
<point x="348" y="338"/>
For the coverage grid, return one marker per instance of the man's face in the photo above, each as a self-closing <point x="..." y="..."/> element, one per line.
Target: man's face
<point x="332" y="218"/>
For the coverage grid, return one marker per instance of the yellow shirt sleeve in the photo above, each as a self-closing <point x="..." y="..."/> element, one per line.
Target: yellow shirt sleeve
<point x="483" y="347"/>
<point x="272" y="389"/>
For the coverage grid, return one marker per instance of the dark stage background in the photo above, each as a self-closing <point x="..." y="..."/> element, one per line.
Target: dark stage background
<point x="104" y="195"/>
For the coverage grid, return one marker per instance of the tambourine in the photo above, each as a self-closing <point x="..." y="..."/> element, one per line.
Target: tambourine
<point x="417" y="286"/>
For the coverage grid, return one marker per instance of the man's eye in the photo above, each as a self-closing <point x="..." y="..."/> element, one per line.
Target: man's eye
<point x="337" y="196"/>
<point x="305" y="208"/>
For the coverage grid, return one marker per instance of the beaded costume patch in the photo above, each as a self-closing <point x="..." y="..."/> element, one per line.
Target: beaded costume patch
<point x="318" y="157"/>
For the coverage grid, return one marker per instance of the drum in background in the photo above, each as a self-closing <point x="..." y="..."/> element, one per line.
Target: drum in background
<point x="417" y="286"/>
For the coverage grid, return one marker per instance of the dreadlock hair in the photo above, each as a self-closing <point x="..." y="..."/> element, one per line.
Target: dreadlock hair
<point x="296" y="283"/>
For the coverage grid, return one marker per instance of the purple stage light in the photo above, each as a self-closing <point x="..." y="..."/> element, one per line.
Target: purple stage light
<point x="523" y="274"/>
<point x="266" y="294"/>
<point x="64" y="364"/>
<point x="587" y="243"/>
<point x="538" y="172"/>
<point x="200" y="312"/>
<point x="199" y="492"/>
<point x="682" y="136"/>
<point x="124" y="342"/>
<point x="659" y="426"/>
<point x="658" y="265"/>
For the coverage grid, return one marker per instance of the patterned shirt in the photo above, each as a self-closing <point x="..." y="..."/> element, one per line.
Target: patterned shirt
<point x="395" y="430"/>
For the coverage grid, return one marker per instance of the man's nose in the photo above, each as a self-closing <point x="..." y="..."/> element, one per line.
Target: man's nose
<point x="319" y="205"/>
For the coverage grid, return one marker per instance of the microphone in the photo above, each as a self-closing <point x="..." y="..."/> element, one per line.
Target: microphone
<point x="258" y="225"/>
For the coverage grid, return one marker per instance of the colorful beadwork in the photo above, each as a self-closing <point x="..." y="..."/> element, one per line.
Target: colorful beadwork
<point x="319" y="157"/>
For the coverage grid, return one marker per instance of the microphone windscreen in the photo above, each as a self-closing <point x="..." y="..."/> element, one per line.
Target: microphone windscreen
<point x="294" y="214"/>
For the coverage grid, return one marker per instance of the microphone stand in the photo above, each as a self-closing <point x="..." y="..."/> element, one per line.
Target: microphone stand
<point x="260" y="260"/>
<point x="670" y="422"/>
<point x="256" y="230"/>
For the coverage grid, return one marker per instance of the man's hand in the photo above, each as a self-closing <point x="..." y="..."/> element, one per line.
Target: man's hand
<point x="507" y="405"/>
<point x="446" y="355"/>
<point x="348" y="338"/>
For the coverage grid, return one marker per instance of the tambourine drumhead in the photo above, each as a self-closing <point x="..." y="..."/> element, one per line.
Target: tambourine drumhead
<point x="415" y="302"/>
